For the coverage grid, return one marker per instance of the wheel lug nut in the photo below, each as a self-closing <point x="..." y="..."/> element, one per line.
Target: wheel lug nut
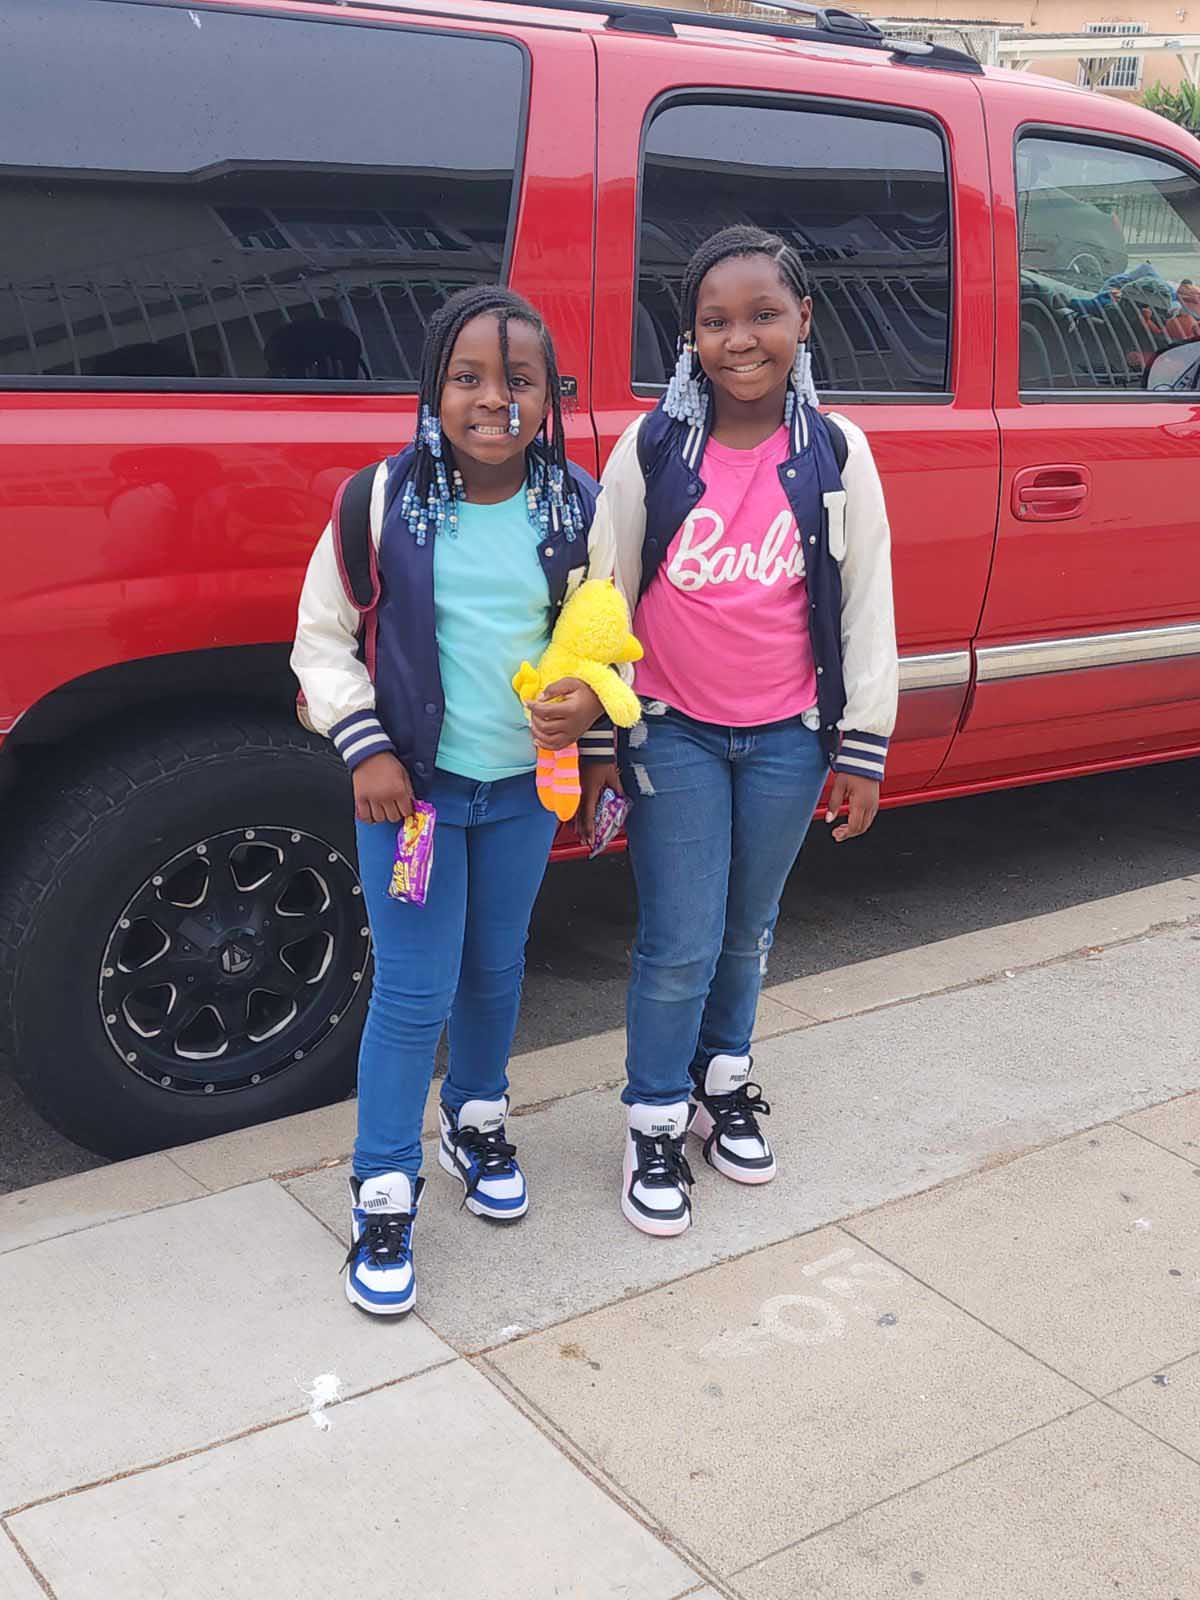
<point x="333" y="855"/>
<point x="364" y="932"/>
<point x="164" y="1083"/>
<point x="256" y="1077"/>
<point x="156" y="880"/>
<point x="109" y="973"/>
<point x="124" y="922"/>
<point x="111" y="1018"/>
<point x="357" y="889"/>
<point x="201" y="849"/>
<point x="298" y="1055"/>
<point x="295" y="838"/>
<point x="131" y="1056"/>
<point x="357" y="977"/>
<point x="249" y="833"/>
<point x="209" y="1087"/>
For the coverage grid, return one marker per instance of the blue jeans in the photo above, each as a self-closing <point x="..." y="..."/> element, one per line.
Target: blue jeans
<point x="459" y="958"/>
<point x="718" y="818"/>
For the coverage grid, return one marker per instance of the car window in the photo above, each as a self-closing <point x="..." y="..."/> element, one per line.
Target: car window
<point x="263" y="198"/>
<point x="863" y="198"/>
<point x="1109" y="244"/>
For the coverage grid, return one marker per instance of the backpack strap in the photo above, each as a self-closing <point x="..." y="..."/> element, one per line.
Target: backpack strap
<point x="837" y="439"/>
<point x="357" y="558"/>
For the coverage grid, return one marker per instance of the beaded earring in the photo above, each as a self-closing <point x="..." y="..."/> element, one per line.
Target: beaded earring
<point x="514" y="419"/>
<point x="686" y="399"/>
<point x="800" y="384"/>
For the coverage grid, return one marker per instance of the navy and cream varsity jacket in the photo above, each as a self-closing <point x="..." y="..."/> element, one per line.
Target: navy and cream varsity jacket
<point x="653" y="480"/>
<point x="384" y="692"/>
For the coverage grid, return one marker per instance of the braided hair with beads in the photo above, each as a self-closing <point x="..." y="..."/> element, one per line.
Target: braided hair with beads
<point x="435" y="486"/>
<point x="686" y="398"/>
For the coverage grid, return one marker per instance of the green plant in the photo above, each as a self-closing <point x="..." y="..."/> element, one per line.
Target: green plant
<point x="1180" y="105"/>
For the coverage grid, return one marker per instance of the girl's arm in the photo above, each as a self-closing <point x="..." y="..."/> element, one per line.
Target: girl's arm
<point x="337" y="687"/>
<point x="615" y="551"/>
<point x="870" y="665"/>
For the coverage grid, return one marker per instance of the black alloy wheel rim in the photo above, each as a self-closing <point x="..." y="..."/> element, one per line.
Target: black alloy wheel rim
<point x="234" y="960"/>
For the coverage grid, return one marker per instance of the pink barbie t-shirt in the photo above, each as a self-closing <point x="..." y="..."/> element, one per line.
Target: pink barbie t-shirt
<point x="724" y="622"/>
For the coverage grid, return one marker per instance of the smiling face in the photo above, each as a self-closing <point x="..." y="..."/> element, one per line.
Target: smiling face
<point x="476" y="395"/>
<point x="748" y="324"/>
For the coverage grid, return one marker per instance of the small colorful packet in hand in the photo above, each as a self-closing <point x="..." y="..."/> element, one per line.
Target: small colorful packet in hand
<point x="414" y="855"/>
<point x="611" y="811"/>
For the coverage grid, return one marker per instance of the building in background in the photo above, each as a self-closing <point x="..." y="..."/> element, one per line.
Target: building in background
<point x="995" y="30"/>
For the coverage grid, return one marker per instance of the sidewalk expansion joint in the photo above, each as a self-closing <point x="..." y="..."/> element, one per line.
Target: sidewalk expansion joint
<point x="966" y="1311"/>
<point x="214" y="1444"/>
<point x="33" y="1571"/>
<point x="595" y="1473"/>
<point x="898" y="1494"/>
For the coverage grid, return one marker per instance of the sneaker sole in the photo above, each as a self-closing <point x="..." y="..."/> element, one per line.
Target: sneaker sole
<point x="504" y="1218"/>
<point x="700" y="1127"/>
<point x="373" y="1309"/>
<point x="658" y="1230"/>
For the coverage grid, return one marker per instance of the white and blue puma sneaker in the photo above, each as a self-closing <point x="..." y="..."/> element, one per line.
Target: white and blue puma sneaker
<point x="473" y="1148"/>
<point x="379" y="1264"/>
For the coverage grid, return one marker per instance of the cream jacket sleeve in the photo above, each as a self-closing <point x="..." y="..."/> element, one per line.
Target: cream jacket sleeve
<point x="337" y="687"/>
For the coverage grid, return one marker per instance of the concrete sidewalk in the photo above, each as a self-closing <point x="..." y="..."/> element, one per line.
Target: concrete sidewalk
<point x="955" y="1347"/>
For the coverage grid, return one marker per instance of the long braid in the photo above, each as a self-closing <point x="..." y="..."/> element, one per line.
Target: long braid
<point x="434" y="485"/>
<point x="741" y="240"/>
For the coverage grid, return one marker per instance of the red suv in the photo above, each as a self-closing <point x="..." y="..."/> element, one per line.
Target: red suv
<point x="225" y="228"/>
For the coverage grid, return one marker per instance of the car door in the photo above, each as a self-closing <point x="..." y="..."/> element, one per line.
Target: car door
<point x="878" y="174"/>
<point x="1089" y="645"/>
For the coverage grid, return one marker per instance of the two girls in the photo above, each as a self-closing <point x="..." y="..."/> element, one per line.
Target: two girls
<point x="481" y="528"/>
<point x="751" y="533"/>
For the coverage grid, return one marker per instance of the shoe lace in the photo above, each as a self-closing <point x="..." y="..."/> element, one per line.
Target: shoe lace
<point x="384" y="1239"/>
<point x="661" y="1162"/>
<point x="735" y="1114"/>
<point x="490" y="1154"/>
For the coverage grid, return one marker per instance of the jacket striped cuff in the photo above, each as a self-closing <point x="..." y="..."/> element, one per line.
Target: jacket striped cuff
<point x="862" y="755"/>
<point x="599" y="743"/>
<point x="358" y="736"/>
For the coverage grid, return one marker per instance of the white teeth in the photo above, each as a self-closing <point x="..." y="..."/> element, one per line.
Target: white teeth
<point x="754" y="368"/>
<point x="480" y="428"/>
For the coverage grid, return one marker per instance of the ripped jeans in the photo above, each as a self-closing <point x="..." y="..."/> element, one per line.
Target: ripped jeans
<point x="718" y="818"/>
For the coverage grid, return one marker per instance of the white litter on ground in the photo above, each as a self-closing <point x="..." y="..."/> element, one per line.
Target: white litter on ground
<point x="1143" y="1223"/>
<point x="326" y="1391"/>
<point x="511" y="1332"/>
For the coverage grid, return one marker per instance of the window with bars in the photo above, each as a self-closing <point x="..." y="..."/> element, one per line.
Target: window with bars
<point x="862" y="196"/>
<point x="1112" y="72"/>
<point x="144" y="238"/>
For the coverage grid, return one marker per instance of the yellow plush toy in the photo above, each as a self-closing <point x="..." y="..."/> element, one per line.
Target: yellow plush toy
<point x="592" y="632"/>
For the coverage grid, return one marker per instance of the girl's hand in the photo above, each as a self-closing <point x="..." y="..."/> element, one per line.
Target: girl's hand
<point x="594" y="776"/>
<point x="562" y="712"/>
<point x="382" y="792"/>
<point x="862" y="797"/>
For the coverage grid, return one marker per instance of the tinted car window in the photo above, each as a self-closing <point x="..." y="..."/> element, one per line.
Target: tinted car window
<point x="1110" y="265"/>
<point x="197" y="194"/>
<point x="863" y="199"/>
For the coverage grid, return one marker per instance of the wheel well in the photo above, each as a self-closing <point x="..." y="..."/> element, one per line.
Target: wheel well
<point x="246" y="674"/>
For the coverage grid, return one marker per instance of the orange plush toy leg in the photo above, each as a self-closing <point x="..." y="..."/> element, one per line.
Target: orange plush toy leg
<point x="558" y="781"/>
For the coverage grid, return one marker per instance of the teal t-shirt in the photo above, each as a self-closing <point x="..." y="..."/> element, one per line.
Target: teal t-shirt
<point x="493" y="612"/>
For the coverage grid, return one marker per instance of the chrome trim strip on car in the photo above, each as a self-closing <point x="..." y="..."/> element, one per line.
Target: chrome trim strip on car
<point x="944" y="671"/>
<point x="1087" y="650"/>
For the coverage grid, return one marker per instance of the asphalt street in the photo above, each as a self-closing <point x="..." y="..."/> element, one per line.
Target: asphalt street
<point x="924" y="873"/>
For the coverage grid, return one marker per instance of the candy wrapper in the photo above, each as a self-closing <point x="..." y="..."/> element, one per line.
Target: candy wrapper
<point x="611" y="811"/>
<point x="414" y="855"/>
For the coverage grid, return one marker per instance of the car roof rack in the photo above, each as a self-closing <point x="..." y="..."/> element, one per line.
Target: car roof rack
<point x="822" y="25"/>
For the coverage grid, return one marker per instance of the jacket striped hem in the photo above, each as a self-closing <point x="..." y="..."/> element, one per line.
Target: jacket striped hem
<point x="862" y="755"/>
<point x="599" y="743"/>
<point x="358" y="736"/>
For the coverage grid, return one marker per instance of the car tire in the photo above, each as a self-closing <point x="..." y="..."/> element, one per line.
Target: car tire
<point x="107" y="1059"/>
